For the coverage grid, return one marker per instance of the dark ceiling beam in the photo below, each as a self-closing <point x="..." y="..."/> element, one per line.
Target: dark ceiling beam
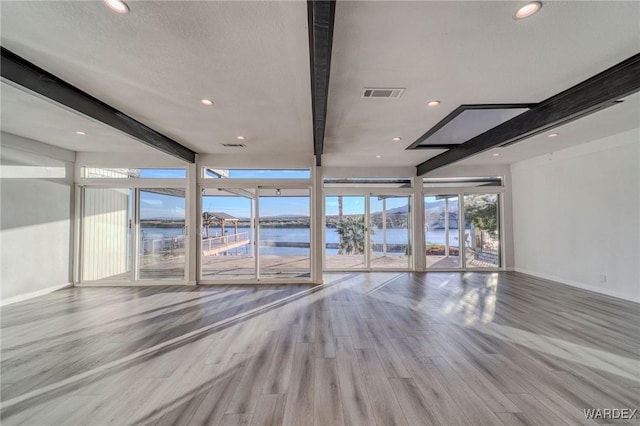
<point x="23" y="73"/>
<point x="321" y="15"/>
<point x="596" y="93"/>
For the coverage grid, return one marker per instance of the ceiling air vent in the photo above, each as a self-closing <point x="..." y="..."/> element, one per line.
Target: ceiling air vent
<point x="384" y="93"/>
<point x="234" y="145"/>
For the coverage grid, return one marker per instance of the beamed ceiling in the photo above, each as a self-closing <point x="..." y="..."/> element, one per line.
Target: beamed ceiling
<point x="257" y="62"/>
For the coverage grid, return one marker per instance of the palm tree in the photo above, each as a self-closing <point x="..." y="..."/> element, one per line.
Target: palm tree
<point x="352" y="232"/>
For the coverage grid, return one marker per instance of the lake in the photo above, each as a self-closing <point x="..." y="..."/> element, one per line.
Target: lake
<point x="302" y="235"/>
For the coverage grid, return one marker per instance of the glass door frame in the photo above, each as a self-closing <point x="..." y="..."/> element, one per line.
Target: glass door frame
<point x="461" y="265"/>
<point x="135" y="185"/>
<point x="461" y="192"/>
<point x="366" y="193"/>
<point x="257" y="185"/>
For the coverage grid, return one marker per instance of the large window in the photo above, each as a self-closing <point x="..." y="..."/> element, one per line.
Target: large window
<point x="255" y="232"/>
<point x="367" y="232"/>
<point x="133" y="224"/>
<point x="462" y="222"/>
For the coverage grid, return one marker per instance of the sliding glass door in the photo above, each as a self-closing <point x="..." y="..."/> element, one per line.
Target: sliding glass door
<point x="462" y="231"/>
<point x="371" y="232"/>
<point x="255" y="234"/>
<point x="131" y="234"/>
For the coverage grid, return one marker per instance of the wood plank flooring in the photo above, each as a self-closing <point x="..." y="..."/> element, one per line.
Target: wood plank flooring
<point x="363" y="349"/>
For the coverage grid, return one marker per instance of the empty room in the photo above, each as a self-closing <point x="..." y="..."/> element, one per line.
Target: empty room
<point x="319" y="212"/>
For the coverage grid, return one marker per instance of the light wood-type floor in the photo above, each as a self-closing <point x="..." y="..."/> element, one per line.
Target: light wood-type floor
<point x="368" y="349"/>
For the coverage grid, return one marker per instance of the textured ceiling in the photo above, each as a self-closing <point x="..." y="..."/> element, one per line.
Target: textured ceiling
<point x="252" y="59"/>
<point x="458" y="53"/>
<point x="158" y="61"/>
<point x="33" y="117"/>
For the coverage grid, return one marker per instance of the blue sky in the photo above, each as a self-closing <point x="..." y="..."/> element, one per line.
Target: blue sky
<point x="269" y="206"/>
<point x="166" y="206"/>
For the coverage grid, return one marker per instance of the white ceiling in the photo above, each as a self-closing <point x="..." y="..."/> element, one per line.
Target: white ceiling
<point x="458" y="53"/>
<point x="33" y="117"/>
<point x="252" y="59"/>
<point x="156" y="63"/>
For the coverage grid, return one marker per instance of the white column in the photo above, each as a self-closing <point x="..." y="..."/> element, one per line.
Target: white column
<point x="193" y="245"/>
<point x="446" y="227"/>
<point x="317" y="225"/>
<point x="419" y="251"/>
<point x="384" y="226"/>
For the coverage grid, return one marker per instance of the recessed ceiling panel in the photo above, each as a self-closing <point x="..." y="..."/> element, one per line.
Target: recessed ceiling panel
<point x="466" y="122"/>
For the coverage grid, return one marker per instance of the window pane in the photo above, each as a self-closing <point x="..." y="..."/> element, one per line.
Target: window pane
<point x="367" y="182"/>
<point x="442" y="235"/>
<point x="482" y="232"/>
<point x="228" y="234"/>
<point x="390" y="231"/>
<point x="162" y="241"/>
<point x="285" y="233"/>
<point x="129" y="173"/>
<point x="462" y="182"/>
<point x="345" y="232"/>
<point x="257" y="173"/>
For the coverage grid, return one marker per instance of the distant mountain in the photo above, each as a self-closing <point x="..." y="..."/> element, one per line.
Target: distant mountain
<point x="434" y="205"/>
<point x="401" y="209"/>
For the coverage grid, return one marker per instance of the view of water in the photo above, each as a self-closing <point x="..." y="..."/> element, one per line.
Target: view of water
<point x="302" y="235"/>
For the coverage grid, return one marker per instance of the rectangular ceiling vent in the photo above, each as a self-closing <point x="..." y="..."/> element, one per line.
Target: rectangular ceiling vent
<point x="234" y="145"/>
<point x="382" y="93"/>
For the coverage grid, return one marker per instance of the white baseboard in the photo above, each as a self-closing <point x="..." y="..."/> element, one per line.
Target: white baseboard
<point x="32" y="294"/>
<point x="600" y="290"/>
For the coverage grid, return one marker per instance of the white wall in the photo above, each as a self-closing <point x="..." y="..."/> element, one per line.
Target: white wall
<point x="36" y="185"/>
<point x="576" y="216"/>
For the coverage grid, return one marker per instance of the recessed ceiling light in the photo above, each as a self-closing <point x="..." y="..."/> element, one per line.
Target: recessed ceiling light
<point x="433" y="103"/>
<point x="397" y="138"/>
<point x="496" y="154"/>
<point x="240" y="138"/>
<point x="117" y="6"/>
<point x="528" y="10"/>
<point x="207" y="102"/>
<point x="80" y="133"/>
<point x="378" y="156"/>
<point x="552" y="135"/>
